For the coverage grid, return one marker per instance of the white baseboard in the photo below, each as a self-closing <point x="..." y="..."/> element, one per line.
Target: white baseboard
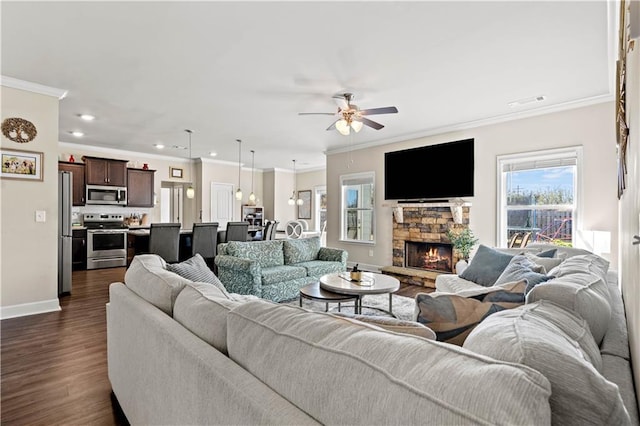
<point x="13" y="311"/>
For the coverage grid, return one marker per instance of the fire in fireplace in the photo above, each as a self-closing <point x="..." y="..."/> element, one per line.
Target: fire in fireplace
<point x="430" y="256"/>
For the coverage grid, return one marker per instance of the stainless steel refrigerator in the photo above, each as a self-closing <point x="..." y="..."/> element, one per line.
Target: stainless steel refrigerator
<point x="65" y="237"/>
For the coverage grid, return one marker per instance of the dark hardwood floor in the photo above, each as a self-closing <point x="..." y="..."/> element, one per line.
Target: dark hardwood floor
<point x="54" y="365"/>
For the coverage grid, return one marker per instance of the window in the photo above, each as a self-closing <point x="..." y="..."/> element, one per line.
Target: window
<point x="538" y="196"/>
<point x="357" y="207"/>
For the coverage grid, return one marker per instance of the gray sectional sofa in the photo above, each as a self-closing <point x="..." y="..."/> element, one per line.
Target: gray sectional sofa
<point x="572" y="328"/>
<point x="276" y="270"/>
<point x="181" y="352"/>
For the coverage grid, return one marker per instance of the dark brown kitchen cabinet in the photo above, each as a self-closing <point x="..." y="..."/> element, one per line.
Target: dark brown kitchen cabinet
<point x="140" y="188"/>
<point x="77" y="170"/>
<point x="105" y="171"/>
<point x="79" y="249"/>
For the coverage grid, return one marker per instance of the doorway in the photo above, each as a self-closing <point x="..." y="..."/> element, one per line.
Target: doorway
<point x="222" y="200"/>
<point x="171" y="202"/>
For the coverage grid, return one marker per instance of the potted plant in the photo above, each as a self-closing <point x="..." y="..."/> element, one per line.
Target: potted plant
<point x="463" y="241"/>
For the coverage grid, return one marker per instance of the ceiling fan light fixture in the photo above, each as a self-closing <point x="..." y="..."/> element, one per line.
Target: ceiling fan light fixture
<point x="342" y="126"/>
<point x="356" y="125"/>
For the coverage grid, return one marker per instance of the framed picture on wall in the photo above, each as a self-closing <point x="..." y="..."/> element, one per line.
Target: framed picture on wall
<point x="304" y="210"/>
<point x="175" y="172"/>
<point x="24" y="165"/>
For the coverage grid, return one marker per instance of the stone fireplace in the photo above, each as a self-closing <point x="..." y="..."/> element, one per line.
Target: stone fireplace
<point x="421" y="249"/>
<point x="428" y="256"/>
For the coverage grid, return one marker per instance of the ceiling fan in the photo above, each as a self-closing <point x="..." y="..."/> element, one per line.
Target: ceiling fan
<point x="351" y="117"/>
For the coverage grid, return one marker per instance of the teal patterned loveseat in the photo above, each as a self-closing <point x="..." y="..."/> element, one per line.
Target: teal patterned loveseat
<point x="276" y="269"/>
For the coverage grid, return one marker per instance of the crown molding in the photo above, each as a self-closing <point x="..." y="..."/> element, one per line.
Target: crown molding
<point x="594" y="100"/>
<point x="120" y="152"/>
<point x="312" y="169"/>
<point x="28" y="86"/>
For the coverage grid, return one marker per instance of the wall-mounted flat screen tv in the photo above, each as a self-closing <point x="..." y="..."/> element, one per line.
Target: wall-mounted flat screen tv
<point x="442" y="172"/>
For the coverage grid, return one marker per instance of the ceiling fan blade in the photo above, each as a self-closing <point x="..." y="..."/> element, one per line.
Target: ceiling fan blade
<point x="333" y="125"/>
<point x="370" y="123"/>
<point x="384" y="110"/>
<point x="316" y="113"/>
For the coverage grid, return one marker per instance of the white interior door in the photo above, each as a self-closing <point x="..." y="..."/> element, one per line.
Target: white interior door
<point x="221" y="203"/>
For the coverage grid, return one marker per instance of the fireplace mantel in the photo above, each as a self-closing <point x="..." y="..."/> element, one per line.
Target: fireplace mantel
<point x="455" y="206"/>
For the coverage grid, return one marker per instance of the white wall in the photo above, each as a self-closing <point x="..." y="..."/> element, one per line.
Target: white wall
<point x="278" y="183"/>
<point x="630" y="216"/>
<point x="309" y="181"/>
<point x="590" y="127"/>
<point x="29" y="249"/>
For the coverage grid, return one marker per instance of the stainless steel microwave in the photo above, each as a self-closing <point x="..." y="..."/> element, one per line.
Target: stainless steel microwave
<point x="106" y="195"/>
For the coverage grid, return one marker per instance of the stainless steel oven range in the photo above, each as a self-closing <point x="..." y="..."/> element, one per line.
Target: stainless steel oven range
<point x="106" y="240"/>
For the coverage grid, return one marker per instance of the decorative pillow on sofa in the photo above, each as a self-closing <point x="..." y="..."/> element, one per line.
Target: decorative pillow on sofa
<point x="452" y="317"/>
<point x="521" y="268"/>
<point x="486" y="266"/>
<point x="196" y="270"/>
<point x="547" y="262"/>
<point x="557" y="343"/>
<point x="548" y="253"/>
<point x="301" y="250"/>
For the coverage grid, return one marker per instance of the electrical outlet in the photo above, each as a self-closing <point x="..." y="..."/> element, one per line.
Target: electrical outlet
<point x="370" y="253"/>
<point x="41" y="216"/>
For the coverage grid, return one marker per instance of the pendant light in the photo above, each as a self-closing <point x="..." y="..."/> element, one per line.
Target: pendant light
<point x="292" y="200"/>
<point x="239" y="191"/>
<point x="191" y="192"/>
<point x="252" y="196"/>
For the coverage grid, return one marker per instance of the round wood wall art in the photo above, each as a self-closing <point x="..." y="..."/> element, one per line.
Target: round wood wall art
<point x="19" y="130"/>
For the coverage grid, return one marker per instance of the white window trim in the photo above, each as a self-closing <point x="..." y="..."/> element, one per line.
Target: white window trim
<point x="547" y="154"/>
<point x="371" y="175"/>
<point x="316" y="191"/>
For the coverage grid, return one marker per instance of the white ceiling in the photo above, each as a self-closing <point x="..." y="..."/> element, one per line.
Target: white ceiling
<point x="149" y="70"/>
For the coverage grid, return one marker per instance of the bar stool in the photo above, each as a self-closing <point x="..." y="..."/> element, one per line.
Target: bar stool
<point x="272" y="234"/>
<point x="267" y="230"/>
<point x="205" y="241"/>
<point x="237" y="231"/>
<point x="164" y="240"/>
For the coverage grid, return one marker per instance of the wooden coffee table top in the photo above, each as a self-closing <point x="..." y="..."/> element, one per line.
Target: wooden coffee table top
<point x="371" y="283"/>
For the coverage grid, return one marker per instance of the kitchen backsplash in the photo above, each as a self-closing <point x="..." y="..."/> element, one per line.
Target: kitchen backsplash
<point x="134" y="212"/>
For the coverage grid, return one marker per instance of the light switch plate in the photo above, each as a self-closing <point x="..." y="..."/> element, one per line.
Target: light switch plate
<point x="41" y="216"/>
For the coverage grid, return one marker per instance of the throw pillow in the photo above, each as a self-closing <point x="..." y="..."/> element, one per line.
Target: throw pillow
<point x="547" y="253"/>
<point x="547" y="262"/>
<point x="196" y="270"/>
<point x="301" y="250"/>
<point x="452" y="317"/>
<point x="521" y="268"/>
<point x="486" y="266"/>
<point x="557" y="343"/>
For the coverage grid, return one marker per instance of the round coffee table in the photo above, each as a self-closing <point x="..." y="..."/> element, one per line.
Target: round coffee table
<point x="315" y="293"/>
<point x="371" y="283"/>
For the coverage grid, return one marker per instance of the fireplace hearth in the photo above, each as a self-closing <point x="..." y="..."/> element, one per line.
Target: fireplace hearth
<point x="429" y="256"/>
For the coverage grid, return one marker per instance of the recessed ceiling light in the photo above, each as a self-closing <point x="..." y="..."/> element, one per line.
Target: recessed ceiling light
<point x="525" y="101"/>
<point x="158" y="145"/>
<point x="87" y="117"/>
<point x="213" y="154"/>
<point x="77" y="134"/>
